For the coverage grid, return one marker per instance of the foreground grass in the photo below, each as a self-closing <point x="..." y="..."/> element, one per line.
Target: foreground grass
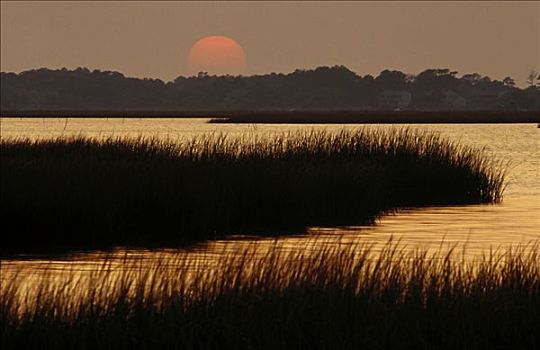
<point x="339" y="297"/>
<point x="85" y="193"/>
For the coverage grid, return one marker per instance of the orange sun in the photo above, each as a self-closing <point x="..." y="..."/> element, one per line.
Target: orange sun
<point x="217" y="55"/>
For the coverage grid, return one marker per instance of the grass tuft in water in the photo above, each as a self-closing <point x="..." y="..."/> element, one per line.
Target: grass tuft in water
<point x="84" y="193"/>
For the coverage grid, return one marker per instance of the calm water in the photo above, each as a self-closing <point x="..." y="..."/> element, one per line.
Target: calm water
<point x="477" y="228"/>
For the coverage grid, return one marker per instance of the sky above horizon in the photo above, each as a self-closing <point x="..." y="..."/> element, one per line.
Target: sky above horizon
<point x="153" y="39"/>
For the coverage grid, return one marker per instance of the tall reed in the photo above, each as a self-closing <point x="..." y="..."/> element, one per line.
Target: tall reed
<point x="79" y="192"/>
<point x="338" y="297"/>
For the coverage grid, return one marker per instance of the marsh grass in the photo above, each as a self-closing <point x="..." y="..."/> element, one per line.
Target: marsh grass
<point x="85" y="193"/>
<point x="342" y="296"/>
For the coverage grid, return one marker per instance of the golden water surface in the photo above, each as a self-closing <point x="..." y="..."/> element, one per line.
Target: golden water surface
<point x="472" y="229"/>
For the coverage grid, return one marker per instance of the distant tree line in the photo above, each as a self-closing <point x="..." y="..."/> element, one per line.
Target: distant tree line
<point x="323" y="88"/>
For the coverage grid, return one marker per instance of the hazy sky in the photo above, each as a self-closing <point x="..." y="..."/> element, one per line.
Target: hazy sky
<point x="152" y="39"/>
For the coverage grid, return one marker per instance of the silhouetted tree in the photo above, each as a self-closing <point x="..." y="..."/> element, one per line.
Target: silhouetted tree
<point x="336" y="88"/>
<point x="508" y="81"/>
<point x="473" y="78"/>
<point x="532" y="78"/>
<point x="392" y="80"/>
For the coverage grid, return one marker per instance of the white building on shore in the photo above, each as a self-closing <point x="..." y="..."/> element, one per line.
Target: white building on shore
<point x="395" y="99"/>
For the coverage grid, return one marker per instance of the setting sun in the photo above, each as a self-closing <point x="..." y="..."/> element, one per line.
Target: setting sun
<point x="218" y="55"/>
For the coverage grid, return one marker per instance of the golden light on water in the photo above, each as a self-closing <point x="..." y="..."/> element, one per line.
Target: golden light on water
<point x="472" y="232"/>
<point x="212" y="269"/>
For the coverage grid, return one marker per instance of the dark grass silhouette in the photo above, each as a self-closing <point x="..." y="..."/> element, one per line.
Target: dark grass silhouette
<point x="85" y="193"/>
<point x="338" y="297"/>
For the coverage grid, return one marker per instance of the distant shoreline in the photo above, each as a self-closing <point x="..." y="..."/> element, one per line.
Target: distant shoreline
<point x="298" y="116"/>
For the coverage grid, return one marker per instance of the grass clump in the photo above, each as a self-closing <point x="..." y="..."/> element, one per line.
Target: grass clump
<point x="83" y="193"/>
<point x="339" y="297"/>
